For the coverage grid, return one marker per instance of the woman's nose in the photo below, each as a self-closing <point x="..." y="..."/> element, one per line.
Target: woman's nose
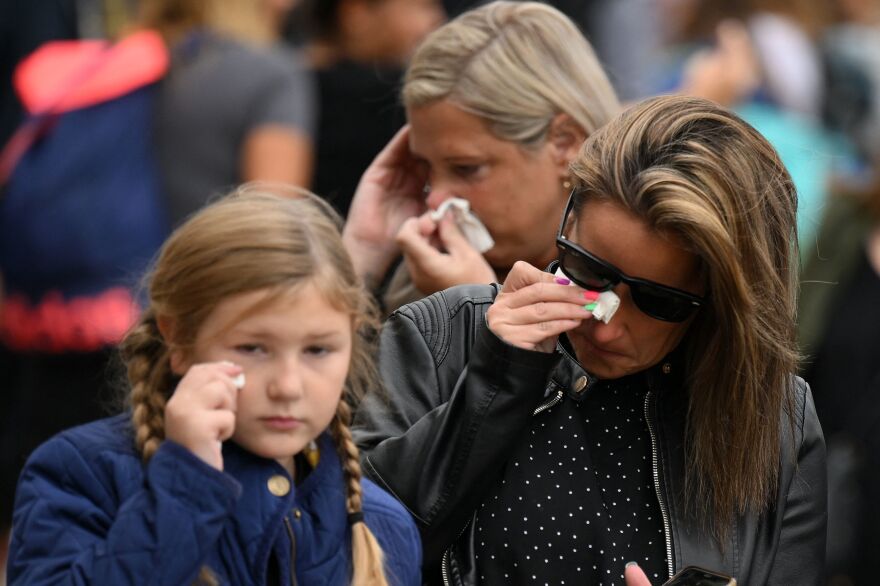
<point x="437" y="194"/>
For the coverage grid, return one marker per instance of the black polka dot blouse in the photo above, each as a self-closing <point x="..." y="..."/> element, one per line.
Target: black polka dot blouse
<point x="576" y="500"/>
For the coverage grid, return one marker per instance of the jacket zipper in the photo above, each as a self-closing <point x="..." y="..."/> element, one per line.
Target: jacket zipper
<point x="655" y="462"/>
<point x="444" y="564"/>
<point x="552" y="401"/>
<point x="292" y="551"/>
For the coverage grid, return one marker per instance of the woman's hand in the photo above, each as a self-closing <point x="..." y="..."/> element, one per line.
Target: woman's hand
<point x="533" y="308"/>
<point x="390" y="191"/>
<point x="438" y="256"/>
<point x="635" y="576"/>
<point x="200" y="414"/>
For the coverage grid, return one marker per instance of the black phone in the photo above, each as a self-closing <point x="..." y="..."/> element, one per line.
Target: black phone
<point x="694" y="576"/>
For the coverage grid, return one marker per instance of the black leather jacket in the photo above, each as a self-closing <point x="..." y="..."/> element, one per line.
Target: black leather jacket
<point x="458" y="397"/>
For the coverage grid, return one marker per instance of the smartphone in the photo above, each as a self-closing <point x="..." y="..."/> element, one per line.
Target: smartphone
<point x="694" y="576"/>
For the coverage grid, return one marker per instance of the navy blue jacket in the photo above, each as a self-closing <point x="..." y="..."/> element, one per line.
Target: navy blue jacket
<point x="88" y="511"/>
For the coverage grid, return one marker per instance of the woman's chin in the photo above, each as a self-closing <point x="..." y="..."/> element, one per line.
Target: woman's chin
<point x="600" y="363"/>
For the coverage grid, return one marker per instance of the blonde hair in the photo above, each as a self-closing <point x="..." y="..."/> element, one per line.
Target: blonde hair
<point x="516" y="65"/>
<point x="688" y="167"/>
<point x="254" y="240"/>
<point x="243" y="20"/>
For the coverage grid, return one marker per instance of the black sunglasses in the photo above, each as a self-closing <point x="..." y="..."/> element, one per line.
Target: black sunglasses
<point x="591" y="272"/>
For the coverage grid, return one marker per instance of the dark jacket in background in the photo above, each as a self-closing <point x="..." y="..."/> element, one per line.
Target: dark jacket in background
<point x="359" y="112"/>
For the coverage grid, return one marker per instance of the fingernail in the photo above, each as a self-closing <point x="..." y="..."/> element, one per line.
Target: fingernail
<point x="590" y="306"/>
<point x="563" y="281"/>
<point x="239" y="381"/>
<point x="628" y="564"/>
<point x="591" y="295"/>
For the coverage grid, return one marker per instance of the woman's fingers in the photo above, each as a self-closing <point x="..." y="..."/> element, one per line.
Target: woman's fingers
<point x="534" y="308"/>
<point x="397" y="149"/>
<point x="545" y="311"/>
<point x="545" y="292"/>
<point x="432" y="268"/>
<point x="635" y="576"/>
<point x="396" y="168"/>
<point x="522" y="274"/>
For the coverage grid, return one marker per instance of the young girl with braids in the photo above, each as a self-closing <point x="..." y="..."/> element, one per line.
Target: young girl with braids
<point x="235" y="464"/>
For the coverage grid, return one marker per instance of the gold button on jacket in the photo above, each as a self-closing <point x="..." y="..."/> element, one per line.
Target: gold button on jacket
<point x="278" y="485"/>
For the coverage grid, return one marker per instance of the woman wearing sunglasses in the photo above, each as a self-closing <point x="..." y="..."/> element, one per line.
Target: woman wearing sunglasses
<point x="534" y="443"/>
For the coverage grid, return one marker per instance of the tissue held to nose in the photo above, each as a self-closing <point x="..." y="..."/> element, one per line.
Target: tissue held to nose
<point x="471" y="226"/>
<point x="604" y="307"/>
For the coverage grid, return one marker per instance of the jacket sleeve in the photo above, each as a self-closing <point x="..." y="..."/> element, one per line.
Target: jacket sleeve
<point x="69" y="527"/>
<point x="800" y="557"/>
<point x="452" y="409"/>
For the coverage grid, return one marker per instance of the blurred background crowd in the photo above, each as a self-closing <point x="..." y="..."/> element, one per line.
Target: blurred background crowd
<point x="306" y="92"/>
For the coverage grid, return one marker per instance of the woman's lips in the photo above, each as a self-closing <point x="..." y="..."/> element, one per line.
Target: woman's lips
<point x="281" y="423"/>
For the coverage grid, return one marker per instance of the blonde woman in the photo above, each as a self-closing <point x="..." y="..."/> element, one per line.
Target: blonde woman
<point x="498" y="102"/>
<point x="541" y="444"/>
<point x="235" y="463"/>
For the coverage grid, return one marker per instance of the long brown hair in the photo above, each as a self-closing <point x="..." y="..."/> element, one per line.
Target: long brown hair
<point x="689" y="167"/>
<point x="254" y="240"/>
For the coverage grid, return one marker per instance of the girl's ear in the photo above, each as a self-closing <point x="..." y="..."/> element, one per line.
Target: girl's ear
<point x="565" y="138"/>
<point x="177" y="359"/>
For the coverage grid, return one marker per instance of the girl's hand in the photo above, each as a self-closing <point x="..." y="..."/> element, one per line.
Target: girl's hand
<point x="200" y="414"/>
<point x="390" y="191"/>
<point x="438" y="255"/>
<point x="533" y="308"/>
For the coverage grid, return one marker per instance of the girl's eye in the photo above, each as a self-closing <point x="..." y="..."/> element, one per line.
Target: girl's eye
<point x="318" y="350"/>
<point x="250" y="348"/>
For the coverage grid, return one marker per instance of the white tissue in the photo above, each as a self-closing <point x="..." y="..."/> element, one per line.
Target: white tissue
<point x="472" y="228"/>
<point x="239" y="381"/>
<point x="606" y="304"/>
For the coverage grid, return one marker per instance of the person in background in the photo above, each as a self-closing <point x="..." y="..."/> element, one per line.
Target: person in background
<point x="229" y="110"/>
<point x="852" y="43"/>
<point x="357" y="50"/>
<point x="235" y="463"/>
<point x="839" y="335"/>
<point x="763" y="59"/>
<point x="498" y="102"/>
<point x="533" y="442"/>
<point x="70" y="378"/>
<point x="235" y="106"/>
